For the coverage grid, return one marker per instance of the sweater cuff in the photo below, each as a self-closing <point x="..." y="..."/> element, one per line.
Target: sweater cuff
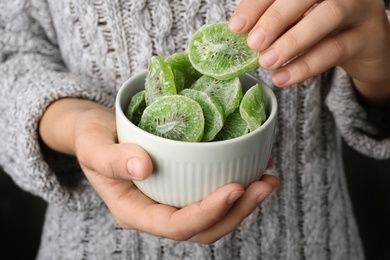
<point x="358" y="126"/>
<point x="55" y="177"/>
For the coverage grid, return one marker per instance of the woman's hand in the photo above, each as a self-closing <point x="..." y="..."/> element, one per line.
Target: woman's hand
<point x="87" y="130"/>
<point x="300" y="39"/>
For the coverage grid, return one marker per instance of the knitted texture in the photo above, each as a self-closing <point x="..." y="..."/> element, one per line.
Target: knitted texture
<point x="87" y="49"/>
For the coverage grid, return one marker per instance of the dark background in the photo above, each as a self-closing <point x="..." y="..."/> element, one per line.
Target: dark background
<point x="22" y="214"/>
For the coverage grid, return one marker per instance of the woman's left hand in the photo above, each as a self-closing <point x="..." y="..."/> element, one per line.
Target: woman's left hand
<point x="301" y="39"/>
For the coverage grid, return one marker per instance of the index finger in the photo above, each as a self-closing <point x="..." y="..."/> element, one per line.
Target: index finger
<point x="254" y="194"/>
<point x="247" y="14"/>
<point x="182" y="224"/>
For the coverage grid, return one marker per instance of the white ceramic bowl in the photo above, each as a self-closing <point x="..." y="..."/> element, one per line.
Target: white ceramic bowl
<point x="185" y="172"/>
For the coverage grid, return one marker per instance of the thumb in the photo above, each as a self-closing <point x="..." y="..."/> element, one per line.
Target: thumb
<point x="102" y="155"/>
<point x="127" y="162"/>
<point x="96" y="148"/>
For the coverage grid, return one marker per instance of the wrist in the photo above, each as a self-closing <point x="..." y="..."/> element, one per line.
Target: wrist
<point x="375" y="93"/>
<point x="58" y="124"/>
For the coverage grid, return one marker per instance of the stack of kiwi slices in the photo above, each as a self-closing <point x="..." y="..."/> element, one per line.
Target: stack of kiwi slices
<point x="196" y="96"/>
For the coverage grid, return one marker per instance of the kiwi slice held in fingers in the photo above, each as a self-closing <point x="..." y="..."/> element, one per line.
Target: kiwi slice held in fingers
<point x="213" y="112"/>
<point x="136" y="107"/>
<point x="215" y="51"/>
<point x="227" y="92"/>
<point x="252" y="107"/>
<point x="174" y="117"/>
<point x="159" y="81"/>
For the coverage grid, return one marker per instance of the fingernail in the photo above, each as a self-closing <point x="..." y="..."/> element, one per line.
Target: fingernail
<point x="262" y="197"/>
<point x="268" y="58"/>
<point x="134" y="169"/>
<point x="281" y="77"/>
<point x="237" y="22"/>
<point x="256" y="38"/>
<point x="235" y="195"/>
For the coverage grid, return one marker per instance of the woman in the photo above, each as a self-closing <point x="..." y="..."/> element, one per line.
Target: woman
<point x="62" y="63"/>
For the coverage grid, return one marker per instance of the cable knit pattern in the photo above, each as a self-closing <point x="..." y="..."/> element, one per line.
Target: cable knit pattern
<point x="77" y="48"/>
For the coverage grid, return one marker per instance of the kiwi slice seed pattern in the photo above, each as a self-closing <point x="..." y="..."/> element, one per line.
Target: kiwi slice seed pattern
<point x="159" y="81"/>
<point x="196" y="96"/>
<point x="174" y="117"/>
<point x="215" y="51"/>
<point x="212" y="110"/>
<point x="227" y="92"/>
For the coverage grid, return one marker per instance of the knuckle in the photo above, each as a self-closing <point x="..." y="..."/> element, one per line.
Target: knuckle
<point x="268" y="21"/>
<point x="336" y="10"/>
<point x="292" y="41"/>
<point x="304" y="67"/>
<point x="337" y="49"/>
<point x="179" y="234"/>
<point x="275" y="15"/>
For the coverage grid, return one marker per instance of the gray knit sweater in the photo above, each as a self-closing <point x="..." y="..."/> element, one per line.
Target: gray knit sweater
<point x="52" y="49"/>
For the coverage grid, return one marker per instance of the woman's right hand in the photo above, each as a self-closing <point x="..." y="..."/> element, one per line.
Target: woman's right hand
<point x="87" y="130"/>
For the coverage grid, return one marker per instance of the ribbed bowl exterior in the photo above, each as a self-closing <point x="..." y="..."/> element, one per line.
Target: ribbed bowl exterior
<point x="185" y="172"/>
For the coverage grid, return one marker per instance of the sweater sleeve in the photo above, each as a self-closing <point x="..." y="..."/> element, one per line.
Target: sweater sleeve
<point x="32" y="77"/>
<point x="365" y="129"/>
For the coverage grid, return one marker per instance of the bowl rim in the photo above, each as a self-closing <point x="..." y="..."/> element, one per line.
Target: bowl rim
<point x="270" y="119"/>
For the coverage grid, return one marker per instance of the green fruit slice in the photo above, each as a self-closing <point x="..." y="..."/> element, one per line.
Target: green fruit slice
<point x="180" y="61"/>
<point x="180" y="80"/>
<point x="159" y="81"/>
<point x="227" y="92"/>
<point x="234" y="127"/>
<point x="215" y="51"/>
<point x="212" y="112"/>
<point x="252" y="107"/>
<point x="136" y="107"/>
<point x="174" y="117"/>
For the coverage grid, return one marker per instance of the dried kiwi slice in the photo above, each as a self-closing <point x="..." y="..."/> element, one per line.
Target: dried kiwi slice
<point x="227" y="92"/>
<point x="180" y="61"/>
<point x="174" y="117"/>
<point x="213" y="112"/>
<point x="215" y="51"/>
<point x="234" y="127"/>
<point x="136" y="107"/>
<point x="252" y="107"/>
<point x="180" y="80"/>
<point x="159" y="81"/>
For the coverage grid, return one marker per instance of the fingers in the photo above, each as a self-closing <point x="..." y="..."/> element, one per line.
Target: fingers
<point x="319" y="23"/>
<point x="270" y="163"/>
<point x="276" y="20"/>
<point x="182" y="224"/>
<point x="203" y="222"/>
<point x="333" y="50"/>
<point x="292" y="36"/>
<point x="207" y="221"/>
<point x="271" y="179"/>
<point x="256" y="193"/>
<point x="266" y="20"/>
<point x="247" y="14"/>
